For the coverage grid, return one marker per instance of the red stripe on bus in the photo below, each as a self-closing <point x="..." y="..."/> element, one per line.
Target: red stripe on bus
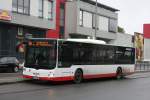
<point x="27" y="76"/>
<point x="68" y="78"/>
<point x="99" y="76"/>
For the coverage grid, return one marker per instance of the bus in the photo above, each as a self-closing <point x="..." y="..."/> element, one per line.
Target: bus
<point x="76" y="59"/>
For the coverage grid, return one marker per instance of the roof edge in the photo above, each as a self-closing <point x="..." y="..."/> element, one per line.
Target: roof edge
<point x="101" y="5"/>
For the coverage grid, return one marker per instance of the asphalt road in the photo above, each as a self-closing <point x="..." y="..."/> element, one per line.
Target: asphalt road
<point x="10" y="74"/>
<point x="110" y="89"/>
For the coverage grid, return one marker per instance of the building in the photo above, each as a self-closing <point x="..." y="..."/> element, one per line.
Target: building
<point x="53" y="19"/>
<point x="59" y="30"/>
<point x="80" y="20"/>
<point x="146" y="32"/>
<point x="123" y="39"/>
<point x="20" y="18"/>
<point x="139" y="46"/>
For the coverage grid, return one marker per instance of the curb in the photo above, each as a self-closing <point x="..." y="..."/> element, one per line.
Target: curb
<point x="140" y="74"/>
<point x="142" y="71"/>
<point x="18" y="80"/>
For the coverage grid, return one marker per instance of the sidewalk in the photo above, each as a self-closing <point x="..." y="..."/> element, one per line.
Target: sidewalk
<point x="142" y="74"/>
<point x="10" y="78"/>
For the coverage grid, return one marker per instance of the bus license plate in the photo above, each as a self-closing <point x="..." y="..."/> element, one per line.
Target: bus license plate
<point x="35" y="77"/>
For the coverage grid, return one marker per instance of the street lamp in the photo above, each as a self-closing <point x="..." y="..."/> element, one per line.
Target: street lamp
<point x="94" y="35"/>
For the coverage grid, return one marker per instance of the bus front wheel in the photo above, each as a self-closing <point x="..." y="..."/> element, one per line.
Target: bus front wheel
<point x="119" y="74"/>
<point x="78" y="76"/>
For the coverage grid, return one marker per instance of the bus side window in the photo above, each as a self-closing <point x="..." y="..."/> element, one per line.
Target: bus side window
<point x="65" y="55"/>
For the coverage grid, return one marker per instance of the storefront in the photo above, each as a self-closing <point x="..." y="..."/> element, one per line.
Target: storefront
<point x="13" y="35"/>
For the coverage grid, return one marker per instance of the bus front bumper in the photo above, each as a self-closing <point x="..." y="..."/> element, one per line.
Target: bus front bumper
<point x="65" y="78"/>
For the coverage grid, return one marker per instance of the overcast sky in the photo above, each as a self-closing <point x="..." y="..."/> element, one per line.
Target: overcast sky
<point x="132" y="15"/>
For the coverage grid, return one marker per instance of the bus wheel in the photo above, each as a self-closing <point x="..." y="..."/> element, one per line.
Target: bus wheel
<point x="15" y="69"/>
<point x="78" y="76"/>
<point x="119" y="74"/>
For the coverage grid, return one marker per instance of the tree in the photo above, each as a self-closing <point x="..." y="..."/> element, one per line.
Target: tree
<point x="121" y="30"/>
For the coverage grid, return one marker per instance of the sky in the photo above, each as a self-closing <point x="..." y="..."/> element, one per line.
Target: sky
<point x="132" y="15"/>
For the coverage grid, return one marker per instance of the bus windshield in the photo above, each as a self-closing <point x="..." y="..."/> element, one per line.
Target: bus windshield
<point x="41" y="57"/>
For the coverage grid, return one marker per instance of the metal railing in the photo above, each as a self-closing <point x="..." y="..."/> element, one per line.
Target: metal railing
<point x="142" y="66"/>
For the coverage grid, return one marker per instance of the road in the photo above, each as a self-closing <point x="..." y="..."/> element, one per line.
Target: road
<point x="10" y="74"/>
<point x="108" y="89"/>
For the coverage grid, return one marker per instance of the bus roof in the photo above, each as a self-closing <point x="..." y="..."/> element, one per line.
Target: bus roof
<point x="80" y="41"/>
<point x="74" y="40"/>
<point x="87" y="41"/>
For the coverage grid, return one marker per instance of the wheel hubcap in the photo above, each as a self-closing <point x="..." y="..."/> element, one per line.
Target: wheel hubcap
<point x="16" y="69"/>
<point x="78" y="77"/>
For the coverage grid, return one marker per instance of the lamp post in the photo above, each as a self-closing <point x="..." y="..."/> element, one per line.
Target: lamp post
<point x="94" y="35"/>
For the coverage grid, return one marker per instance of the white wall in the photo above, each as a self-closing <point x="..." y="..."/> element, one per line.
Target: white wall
<point x="123" y="40"/>
<point x="146" y="49"/>
<point x="71" y="20"/>
<point x="6" y="4"/>
<point x="34" y="7"/>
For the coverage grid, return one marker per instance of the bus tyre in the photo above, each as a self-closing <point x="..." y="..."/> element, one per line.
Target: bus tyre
<point x="78" y="76"/>
<point x="15" y="69"/>
<point x="119" y="74"/>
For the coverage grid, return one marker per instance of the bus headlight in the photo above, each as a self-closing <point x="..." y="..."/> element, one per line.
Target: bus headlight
<point x="51" y="74"/>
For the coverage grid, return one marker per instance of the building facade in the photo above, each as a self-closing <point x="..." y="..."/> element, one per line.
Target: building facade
<point x="80" y="20"/>
<point x="123" y="39"/>
<point x="53" y="19"/>
<point x="58" y="31"/>
<point x="20" y="18"/>
<point x="146" y="32"/>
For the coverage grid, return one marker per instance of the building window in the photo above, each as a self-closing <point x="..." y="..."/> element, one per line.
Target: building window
<point x="14" y="5"/>
<point x="20" y="31"/>
<point x="103" y="23"/>
<point x="26" y="6"/>
<point x="41" y="8"/>
<point x="50" y="9"/>
<point x="93" y="21"/>
<point x="86" y="19"/>
<point x="21" y="6"/>
<point x="62" y="15"/>
<point x="81" y="18"/>
<point x="112" y="25"/>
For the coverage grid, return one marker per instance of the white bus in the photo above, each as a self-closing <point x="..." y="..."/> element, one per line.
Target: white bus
<point x="76" y="59"/>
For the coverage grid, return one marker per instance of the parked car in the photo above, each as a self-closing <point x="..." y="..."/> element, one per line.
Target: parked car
<point x="9" y="64"/>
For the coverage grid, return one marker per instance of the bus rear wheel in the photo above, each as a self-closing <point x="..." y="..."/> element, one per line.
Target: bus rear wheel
<point x="119" y="74"/>
<point x="78" y="76"/>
